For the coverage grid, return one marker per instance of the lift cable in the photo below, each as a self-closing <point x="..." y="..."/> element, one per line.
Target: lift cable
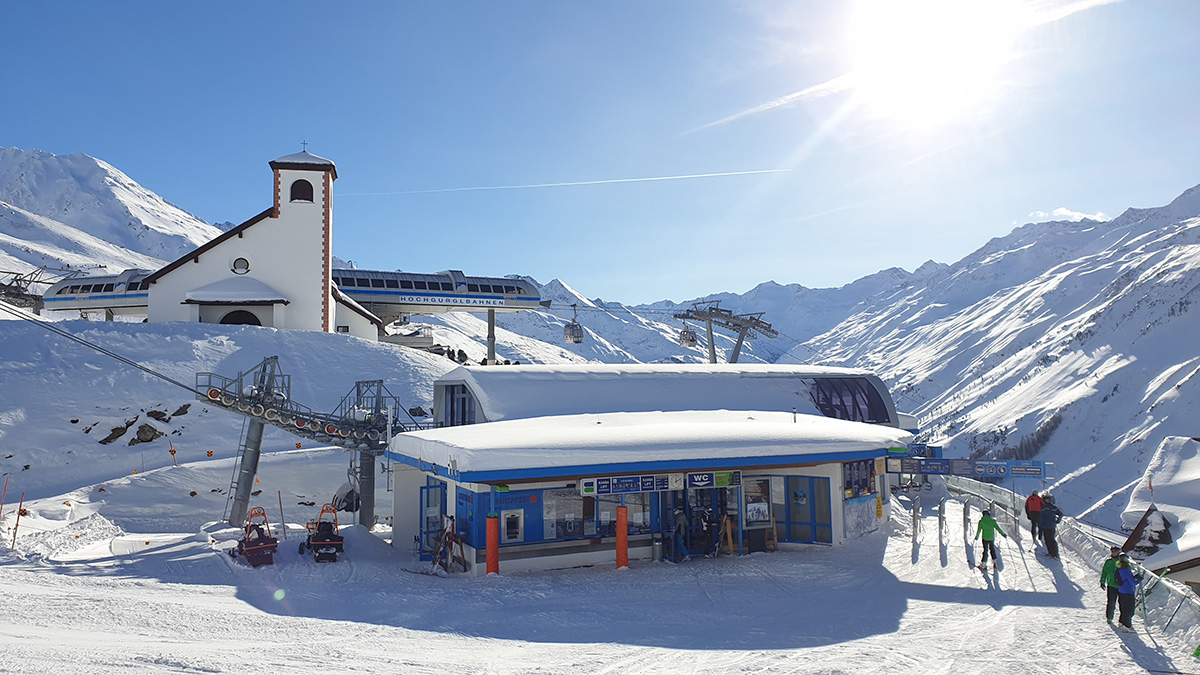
<point x="91" y="345"/>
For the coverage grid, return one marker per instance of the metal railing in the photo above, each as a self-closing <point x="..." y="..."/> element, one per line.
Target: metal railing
<point x="1175" y="605"/>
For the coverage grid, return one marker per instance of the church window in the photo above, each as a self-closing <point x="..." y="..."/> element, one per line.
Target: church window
<point x="302" y="191"/>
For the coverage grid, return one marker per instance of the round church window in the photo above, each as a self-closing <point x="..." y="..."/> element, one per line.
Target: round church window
<point x="241" y="266"/>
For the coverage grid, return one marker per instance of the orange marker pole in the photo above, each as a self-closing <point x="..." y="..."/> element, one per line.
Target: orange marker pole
<point x="622" y="538"/>
<point x="493" y="545"/>
<point x="13" y="546"/>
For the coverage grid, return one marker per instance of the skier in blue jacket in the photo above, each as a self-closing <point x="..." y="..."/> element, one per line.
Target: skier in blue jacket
<point x="1125" y="592"/>
<point x="1048" y="523"/>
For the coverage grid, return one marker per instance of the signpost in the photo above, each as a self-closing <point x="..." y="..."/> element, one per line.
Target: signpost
<point x="971" y="468"/>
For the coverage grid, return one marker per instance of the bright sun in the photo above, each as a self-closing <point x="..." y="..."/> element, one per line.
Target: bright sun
<point x="927" y="62"/>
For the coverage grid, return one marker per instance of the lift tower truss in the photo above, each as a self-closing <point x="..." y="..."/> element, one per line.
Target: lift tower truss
<point x="365" y="420"/>
<point x="746" y="325"/>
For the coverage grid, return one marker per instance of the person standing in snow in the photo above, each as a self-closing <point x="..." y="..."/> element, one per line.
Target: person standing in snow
<point x="988" y="527"/>
<point x="1048" y="523"/>
<point x="680" y="534"/>
<point x="1128" y="587"/>
<point x="1108" y="581"/>
<point x="1033" y="511"/>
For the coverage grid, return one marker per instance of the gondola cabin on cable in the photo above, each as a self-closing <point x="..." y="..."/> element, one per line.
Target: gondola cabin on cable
<point x="555" y="466"/>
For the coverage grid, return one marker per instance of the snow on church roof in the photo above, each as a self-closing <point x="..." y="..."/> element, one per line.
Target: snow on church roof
<point x="644" y="441"/>
<point x="304" y="158"/>
<point x="515" y="392"/>
<point x="235" y="290"/>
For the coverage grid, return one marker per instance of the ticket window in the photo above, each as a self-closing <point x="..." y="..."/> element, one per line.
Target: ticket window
<point x="512" y="526"/>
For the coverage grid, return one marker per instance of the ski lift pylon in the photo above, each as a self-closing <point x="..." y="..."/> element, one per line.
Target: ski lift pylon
<point x="573" y="332"/>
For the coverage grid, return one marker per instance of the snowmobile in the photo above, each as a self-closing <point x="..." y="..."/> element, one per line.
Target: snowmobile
<point x="323" y="540"/>
<point x="257" y="546"/>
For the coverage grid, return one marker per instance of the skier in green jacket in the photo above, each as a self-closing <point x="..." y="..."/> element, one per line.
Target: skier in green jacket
<point x="1109" y="582"/>
<point x="988" y="528"/>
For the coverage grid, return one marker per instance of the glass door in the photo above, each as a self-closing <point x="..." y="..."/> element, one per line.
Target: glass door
<point x="809" y="512"/>
<point x="433" y="511"/>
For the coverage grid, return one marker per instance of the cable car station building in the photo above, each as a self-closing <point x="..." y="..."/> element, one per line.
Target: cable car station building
<point x="775" y="452"/>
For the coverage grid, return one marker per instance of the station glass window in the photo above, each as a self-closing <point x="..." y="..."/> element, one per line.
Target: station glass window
<point x="420" y="285"/>
<point x="849" y="398"/>
<point x="74" y="289"/>
<point x="510" y="289"/>
<point x="377" y="283"/>
<point x="857" y="478"/>
<point x="405" y="283"/>
<point x="563" y="514"/>
<point x="391" y="283"/>
<point x="472" y="288"/>
<point x="85" y="289"/>
<point x="108" y="288"/>
<point x="460" y="406"/>
<point x="447" y="286"/>
<point x="638" y="507"/>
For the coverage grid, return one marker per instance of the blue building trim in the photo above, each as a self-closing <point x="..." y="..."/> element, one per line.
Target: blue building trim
<point x="107" y="296"/>
<point x="502" y="475"/>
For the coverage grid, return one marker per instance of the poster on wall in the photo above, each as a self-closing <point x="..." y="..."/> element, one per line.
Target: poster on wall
<point x="758" y="500"/>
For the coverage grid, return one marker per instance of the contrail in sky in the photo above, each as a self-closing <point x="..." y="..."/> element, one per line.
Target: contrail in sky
<point x="846" y="82"/>
<point x="581" y="182"/>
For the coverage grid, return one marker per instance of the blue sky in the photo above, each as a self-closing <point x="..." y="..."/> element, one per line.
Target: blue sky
<point x="855" y="136"/>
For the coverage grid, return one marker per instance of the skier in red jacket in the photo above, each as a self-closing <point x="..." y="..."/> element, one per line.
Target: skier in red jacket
<point x="1033" y="510"/>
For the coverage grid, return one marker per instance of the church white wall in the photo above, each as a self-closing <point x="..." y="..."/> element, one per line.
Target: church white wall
<point x="287" y="253"/>
<point x="358" y="325"/>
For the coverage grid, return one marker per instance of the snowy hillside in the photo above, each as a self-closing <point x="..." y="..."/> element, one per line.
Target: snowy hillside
<point x="60" y="400"/>
<point x="1073" y="341"/>
<point x="28" y="240"/>
<point x="96" y="198"/>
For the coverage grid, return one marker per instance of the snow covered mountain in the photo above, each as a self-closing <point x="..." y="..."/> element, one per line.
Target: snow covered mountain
<point x="28" y="240"/>
<point x="92" y="196"/>
<point x="1069" y="341"/>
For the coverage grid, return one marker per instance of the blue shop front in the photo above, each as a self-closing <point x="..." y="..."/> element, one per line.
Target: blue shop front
<point x="692" y="483"/>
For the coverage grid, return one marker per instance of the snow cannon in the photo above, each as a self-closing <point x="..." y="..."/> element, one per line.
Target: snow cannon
<point x="323" y="540"/>
<point x="257" y="547"/>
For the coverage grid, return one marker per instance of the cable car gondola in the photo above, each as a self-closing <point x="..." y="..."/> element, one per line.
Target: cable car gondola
<point x="687" y="336"/>
<point x="573" y="332"/>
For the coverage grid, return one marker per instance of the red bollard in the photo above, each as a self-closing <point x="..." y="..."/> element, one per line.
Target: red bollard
<point x="493" y="545"/>
<point x="622" y="538"/>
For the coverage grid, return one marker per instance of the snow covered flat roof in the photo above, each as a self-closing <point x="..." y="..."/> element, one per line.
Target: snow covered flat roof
<point x="642" y="441"/>
<point x="515" y="392"/>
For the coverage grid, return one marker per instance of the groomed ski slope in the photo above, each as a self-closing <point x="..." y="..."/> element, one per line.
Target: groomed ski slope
<point x="82" y="595"/>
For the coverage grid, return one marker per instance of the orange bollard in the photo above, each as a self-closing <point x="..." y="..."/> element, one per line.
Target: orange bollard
<point x="493" y="545"/>
<point x="622" y="538"/>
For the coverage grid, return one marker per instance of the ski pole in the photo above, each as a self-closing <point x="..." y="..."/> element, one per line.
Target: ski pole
<point x="1179" y="607"/>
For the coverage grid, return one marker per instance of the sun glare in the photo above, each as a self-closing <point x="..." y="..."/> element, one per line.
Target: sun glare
<point x="927" y="62"/>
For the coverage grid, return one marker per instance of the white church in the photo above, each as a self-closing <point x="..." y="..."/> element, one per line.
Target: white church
<point x="276" y="269"/>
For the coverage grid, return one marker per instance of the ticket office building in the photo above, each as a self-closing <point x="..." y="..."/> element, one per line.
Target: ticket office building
<point x="807" y="479"/>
